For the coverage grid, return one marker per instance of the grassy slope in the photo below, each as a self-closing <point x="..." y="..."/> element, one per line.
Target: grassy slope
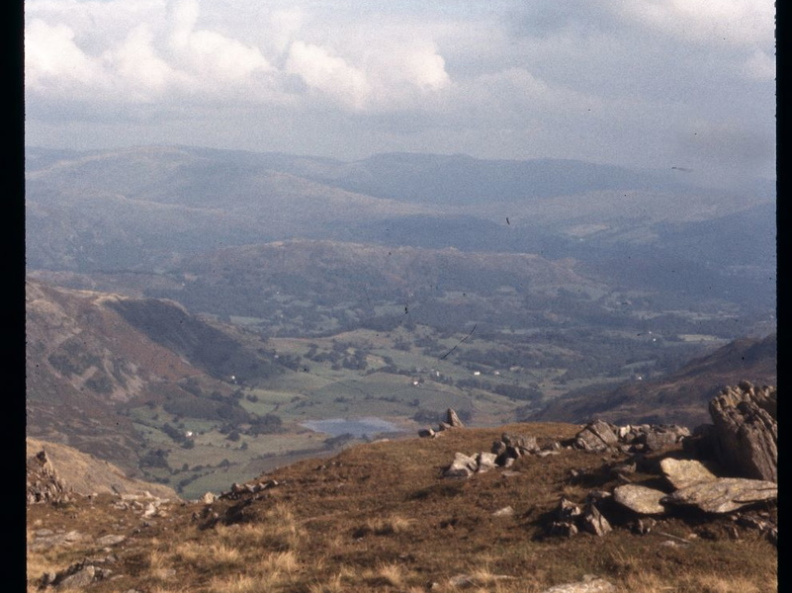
<point x="380" y="517"/>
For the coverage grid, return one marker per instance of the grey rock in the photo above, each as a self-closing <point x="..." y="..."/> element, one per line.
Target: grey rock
<point x="426" y="433"/>
<point x="640" y="499"/>
<point x="746" y="431"/>
<point x="463" y="466"/>
<point x="567" y="510"/>
<point x="547" y="453"/>
<point x="485" y="462"/>
<point x="77" y="576"/>
<point x="724" y="495"/>
<point x="452" y="419"/>
<point x="504" y="512"/>
<point x="657" y="440"/>
<point x="594" y="522"/>
<point x="498" y="447"/>
<point x="681" y="473"/>
<point x="110" y="540"/>
<point x="597" y="436"/>
<point x="521" y="443"/>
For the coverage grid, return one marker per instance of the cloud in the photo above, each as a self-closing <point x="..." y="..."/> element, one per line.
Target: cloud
<point x="137" y="67"/>
<point x="588" y="79"/>
<point x="731" y="22"/>
<point x="329" y="74"/>
<point x="210" y="56"/>
<point x="55" y="64"/>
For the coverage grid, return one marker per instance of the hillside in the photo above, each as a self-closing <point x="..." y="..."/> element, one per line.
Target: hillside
<point x="91" y="355"/>
<point x="381" y="517"/>
<point x="85" y="475"/>
<point x="144" y="209"/>
<point x="680" y="397"/>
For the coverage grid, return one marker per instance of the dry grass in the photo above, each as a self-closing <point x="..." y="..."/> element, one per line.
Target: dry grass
<point x="380" y="518"/>
<point x="390" y="525"/>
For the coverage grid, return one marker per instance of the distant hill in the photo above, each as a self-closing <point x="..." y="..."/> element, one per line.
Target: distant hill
<point x="460" y="179"/>
<point x="90" y="354"/>
<point x="679" y="398"/>
<point x="146" y="209"/>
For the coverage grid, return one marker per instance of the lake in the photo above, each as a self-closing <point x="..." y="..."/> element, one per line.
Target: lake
<point x="358" y="427"/>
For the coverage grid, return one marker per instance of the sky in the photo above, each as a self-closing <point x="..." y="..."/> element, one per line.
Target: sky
<point x="639" y="83"/>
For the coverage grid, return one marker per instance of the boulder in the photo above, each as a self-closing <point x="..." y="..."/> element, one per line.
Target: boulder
<point x="567" y="510"/>
<point x="452" y="419"/>
<point x="640" y="499"/>
<point x="504" y="512"/>
<point x="594" y="522"/>
<point x="485" y="461"/>
<point x="77" y="576"/>
<point x="426" y="433"/>
<point x="522" y="444"/>
<point x="658" y="440"/>
<point x="463" y="466"/>
<point x="724" y="495"/>
<point x="746" y="431"/>
<point x="597" y="436"/>
<point x="682" y="473"/>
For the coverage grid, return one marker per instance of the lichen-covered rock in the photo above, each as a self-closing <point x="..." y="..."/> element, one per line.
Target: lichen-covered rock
<point x="463" y="466"/>
<point x="746" y="431"/>
<point x="594" y="522"/>
<point x="452" y="419"/>
<point x="640" y="499"/>
<point x="724" y="495"/>
<point x="597" y="436"/>
<point x="681" y="473"/>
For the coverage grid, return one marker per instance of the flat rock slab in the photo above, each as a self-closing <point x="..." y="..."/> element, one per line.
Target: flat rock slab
<point x="640" y="499"/>
<point x="682" y="473"/>
<point x="724" y="495"/>
<point x="586" y="586"/>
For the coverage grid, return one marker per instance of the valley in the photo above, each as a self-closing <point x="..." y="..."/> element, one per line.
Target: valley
<point x="192" y="312"/>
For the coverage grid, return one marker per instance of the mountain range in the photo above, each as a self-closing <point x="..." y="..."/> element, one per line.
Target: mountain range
<point x="233" y="296"/>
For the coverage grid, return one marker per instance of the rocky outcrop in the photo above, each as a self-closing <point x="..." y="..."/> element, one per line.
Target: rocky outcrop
<point x="504" y="452"/>
<point x="601" y="436"/>
<point x="78" y="474"/>
<point x="77" y="576"/>
<point x="452" y="421"/>
<point x="43" y="483"/>
<point x="571" y="518"/>
<point x="745" y="434"/>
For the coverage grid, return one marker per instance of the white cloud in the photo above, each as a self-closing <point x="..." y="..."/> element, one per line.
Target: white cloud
<point x="54" y="63"/>
<point x="329" y="74"/>
<point x="210" y="56"/>
<point x="138" y="69"/>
